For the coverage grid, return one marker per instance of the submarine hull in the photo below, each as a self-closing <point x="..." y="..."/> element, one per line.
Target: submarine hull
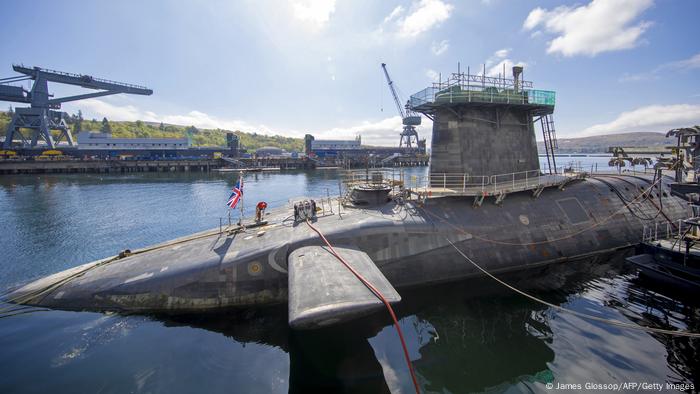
<point x="410" y="243"/>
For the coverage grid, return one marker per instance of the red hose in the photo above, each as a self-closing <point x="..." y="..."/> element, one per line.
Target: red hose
<point x="380" y="296"/>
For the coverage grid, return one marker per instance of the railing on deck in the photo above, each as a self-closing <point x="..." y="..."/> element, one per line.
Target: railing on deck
<point x="391" y="176"/>
<point x="665" y="231"/>
<point x="467" y="184"/>
<point x="445" y="184"/>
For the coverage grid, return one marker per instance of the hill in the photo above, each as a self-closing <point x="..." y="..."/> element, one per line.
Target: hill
<point x="600" y="143"/>
<point x="200" y="137"/>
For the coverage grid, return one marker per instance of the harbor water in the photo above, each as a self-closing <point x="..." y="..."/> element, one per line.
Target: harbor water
<point x="471" y="336"/>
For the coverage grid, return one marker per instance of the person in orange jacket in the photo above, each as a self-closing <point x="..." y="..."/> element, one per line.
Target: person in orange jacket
<point x="260" y="211"/>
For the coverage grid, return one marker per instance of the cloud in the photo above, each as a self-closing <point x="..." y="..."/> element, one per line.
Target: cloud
<point x="100" y="108"/>
<point x="382" y="132"/>
<point x="600" y="26"/>
<point x="395" y="13"/>
<point x="315" y="12"/>
<point x="692" y="63"/>
<point x="687" y="64"/>
<point x="497" y="69"/>
<point x="432" y="74"/>
<point x="650" y="118"/>
<point x="499" y="59"/>
<point x="439" y="48"/>
<point x="423" y="16"/>
<point x="502" y="53"/>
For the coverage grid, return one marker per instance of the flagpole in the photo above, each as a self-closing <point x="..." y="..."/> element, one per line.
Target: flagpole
<point x="240" y="184"/>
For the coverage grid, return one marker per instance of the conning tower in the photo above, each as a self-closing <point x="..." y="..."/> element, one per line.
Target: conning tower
<point x="484" y="126"/>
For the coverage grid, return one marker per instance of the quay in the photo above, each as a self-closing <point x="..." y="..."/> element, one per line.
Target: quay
<point x="105" y="166"/>
<point x="66" y="165"/>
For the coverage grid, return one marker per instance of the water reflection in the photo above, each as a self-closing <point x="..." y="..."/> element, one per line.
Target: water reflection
<point x="473" y="337"/>
<point x="665" y="306"/>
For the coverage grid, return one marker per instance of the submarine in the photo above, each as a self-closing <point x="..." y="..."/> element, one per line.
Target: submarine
<point x="485" y="196"/>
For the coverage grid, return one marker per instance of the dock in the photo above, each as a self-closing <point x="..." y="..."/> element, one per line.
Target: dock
<point x="106" y="166"/>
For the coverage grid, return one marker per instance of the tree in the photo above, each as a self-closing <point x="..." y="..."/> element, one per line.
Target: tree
<point x="11" y="111"/>
<point x="79" y="122"/>
<point x="106" y="128"/>
<point x="161" y="127"/>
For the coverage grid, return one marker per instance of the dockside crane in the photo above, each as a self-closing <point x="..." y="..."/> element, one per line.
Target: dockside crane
<point x="410" y="119"/>
<point x="40" y="116"/>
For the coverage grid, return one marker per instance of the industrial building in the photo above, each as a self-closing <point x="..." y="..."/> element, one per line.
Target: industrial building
<point x="271" y="151"/>
<point x="102" y="145"/>
<point x="336" y="144"/>
<point x="94" y="140"/>
<point x="352" y="152"/>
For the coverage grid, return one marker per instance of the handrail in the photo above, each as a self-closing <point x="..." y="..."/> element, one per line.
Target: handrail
<point x="74" y="75"/>
<point x="457" y="183"/>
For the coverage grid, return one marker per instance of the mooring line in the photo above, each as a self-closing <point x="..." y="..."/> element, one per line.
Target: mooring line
<point x="616" y="323"/>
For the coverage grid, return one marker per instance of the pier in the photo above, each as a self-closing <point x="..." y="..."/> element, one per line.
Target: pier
<point x="105" y="166"/>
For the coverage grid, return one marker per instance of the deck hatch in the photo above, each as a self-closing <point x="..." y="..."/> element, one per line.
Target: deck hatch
<point x="573" y="210"/>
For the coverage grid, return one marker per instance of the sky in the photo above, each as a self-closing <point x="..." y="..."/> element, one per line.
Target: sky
<point x="313" y="66"/>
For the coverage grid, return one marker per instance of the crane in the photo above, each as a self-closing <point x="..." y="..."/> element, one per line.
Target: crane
<point x="40" y="116"/>
<point x="410" y="119"/>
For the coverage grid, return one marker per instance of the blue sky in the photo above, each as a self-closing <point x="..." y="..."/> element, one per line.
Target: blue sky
<point x="298" y="66"/>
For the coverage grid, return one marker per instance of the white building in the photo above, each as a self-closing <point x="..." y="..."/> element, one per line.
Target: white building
<point x="336" y="144"/>
<point x="93" y="140"/>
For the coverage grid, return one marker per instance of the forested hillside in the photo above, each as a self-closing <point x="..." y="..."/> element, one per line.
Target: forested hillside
<point x="200" y="137"/>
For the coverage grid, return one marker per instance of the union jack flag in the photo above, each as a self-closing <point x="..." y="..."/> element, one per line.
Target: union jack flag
<point x="236" y="195"/>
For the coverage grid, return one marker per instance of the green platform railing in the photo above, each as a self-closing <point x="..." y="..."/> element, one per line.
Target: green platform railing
<point x="458" y="94"/>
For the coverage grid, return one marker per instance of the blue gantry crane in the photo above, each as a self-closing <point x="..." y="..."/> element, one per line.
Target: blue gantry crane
<point x="410" y="119"/>
<point x="40" y="117"/>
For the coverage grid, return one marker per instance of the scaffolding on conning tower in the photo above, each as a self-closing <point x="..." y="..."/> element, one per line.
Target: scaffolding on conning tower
<point x="461" y="88"/>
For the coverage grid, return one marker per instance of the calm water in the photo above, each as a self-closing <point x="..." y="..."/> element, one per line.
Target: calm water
<point x="464" y="337"/>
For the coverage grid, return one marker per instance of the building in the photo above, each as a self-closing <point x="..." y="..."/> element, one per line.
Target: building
<point x="336" y="144"/>
<point x="353" y="150"/>
<point x="93" y="141"/>
<point x="323" y="148"/>
<point x="271" y="151"/>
